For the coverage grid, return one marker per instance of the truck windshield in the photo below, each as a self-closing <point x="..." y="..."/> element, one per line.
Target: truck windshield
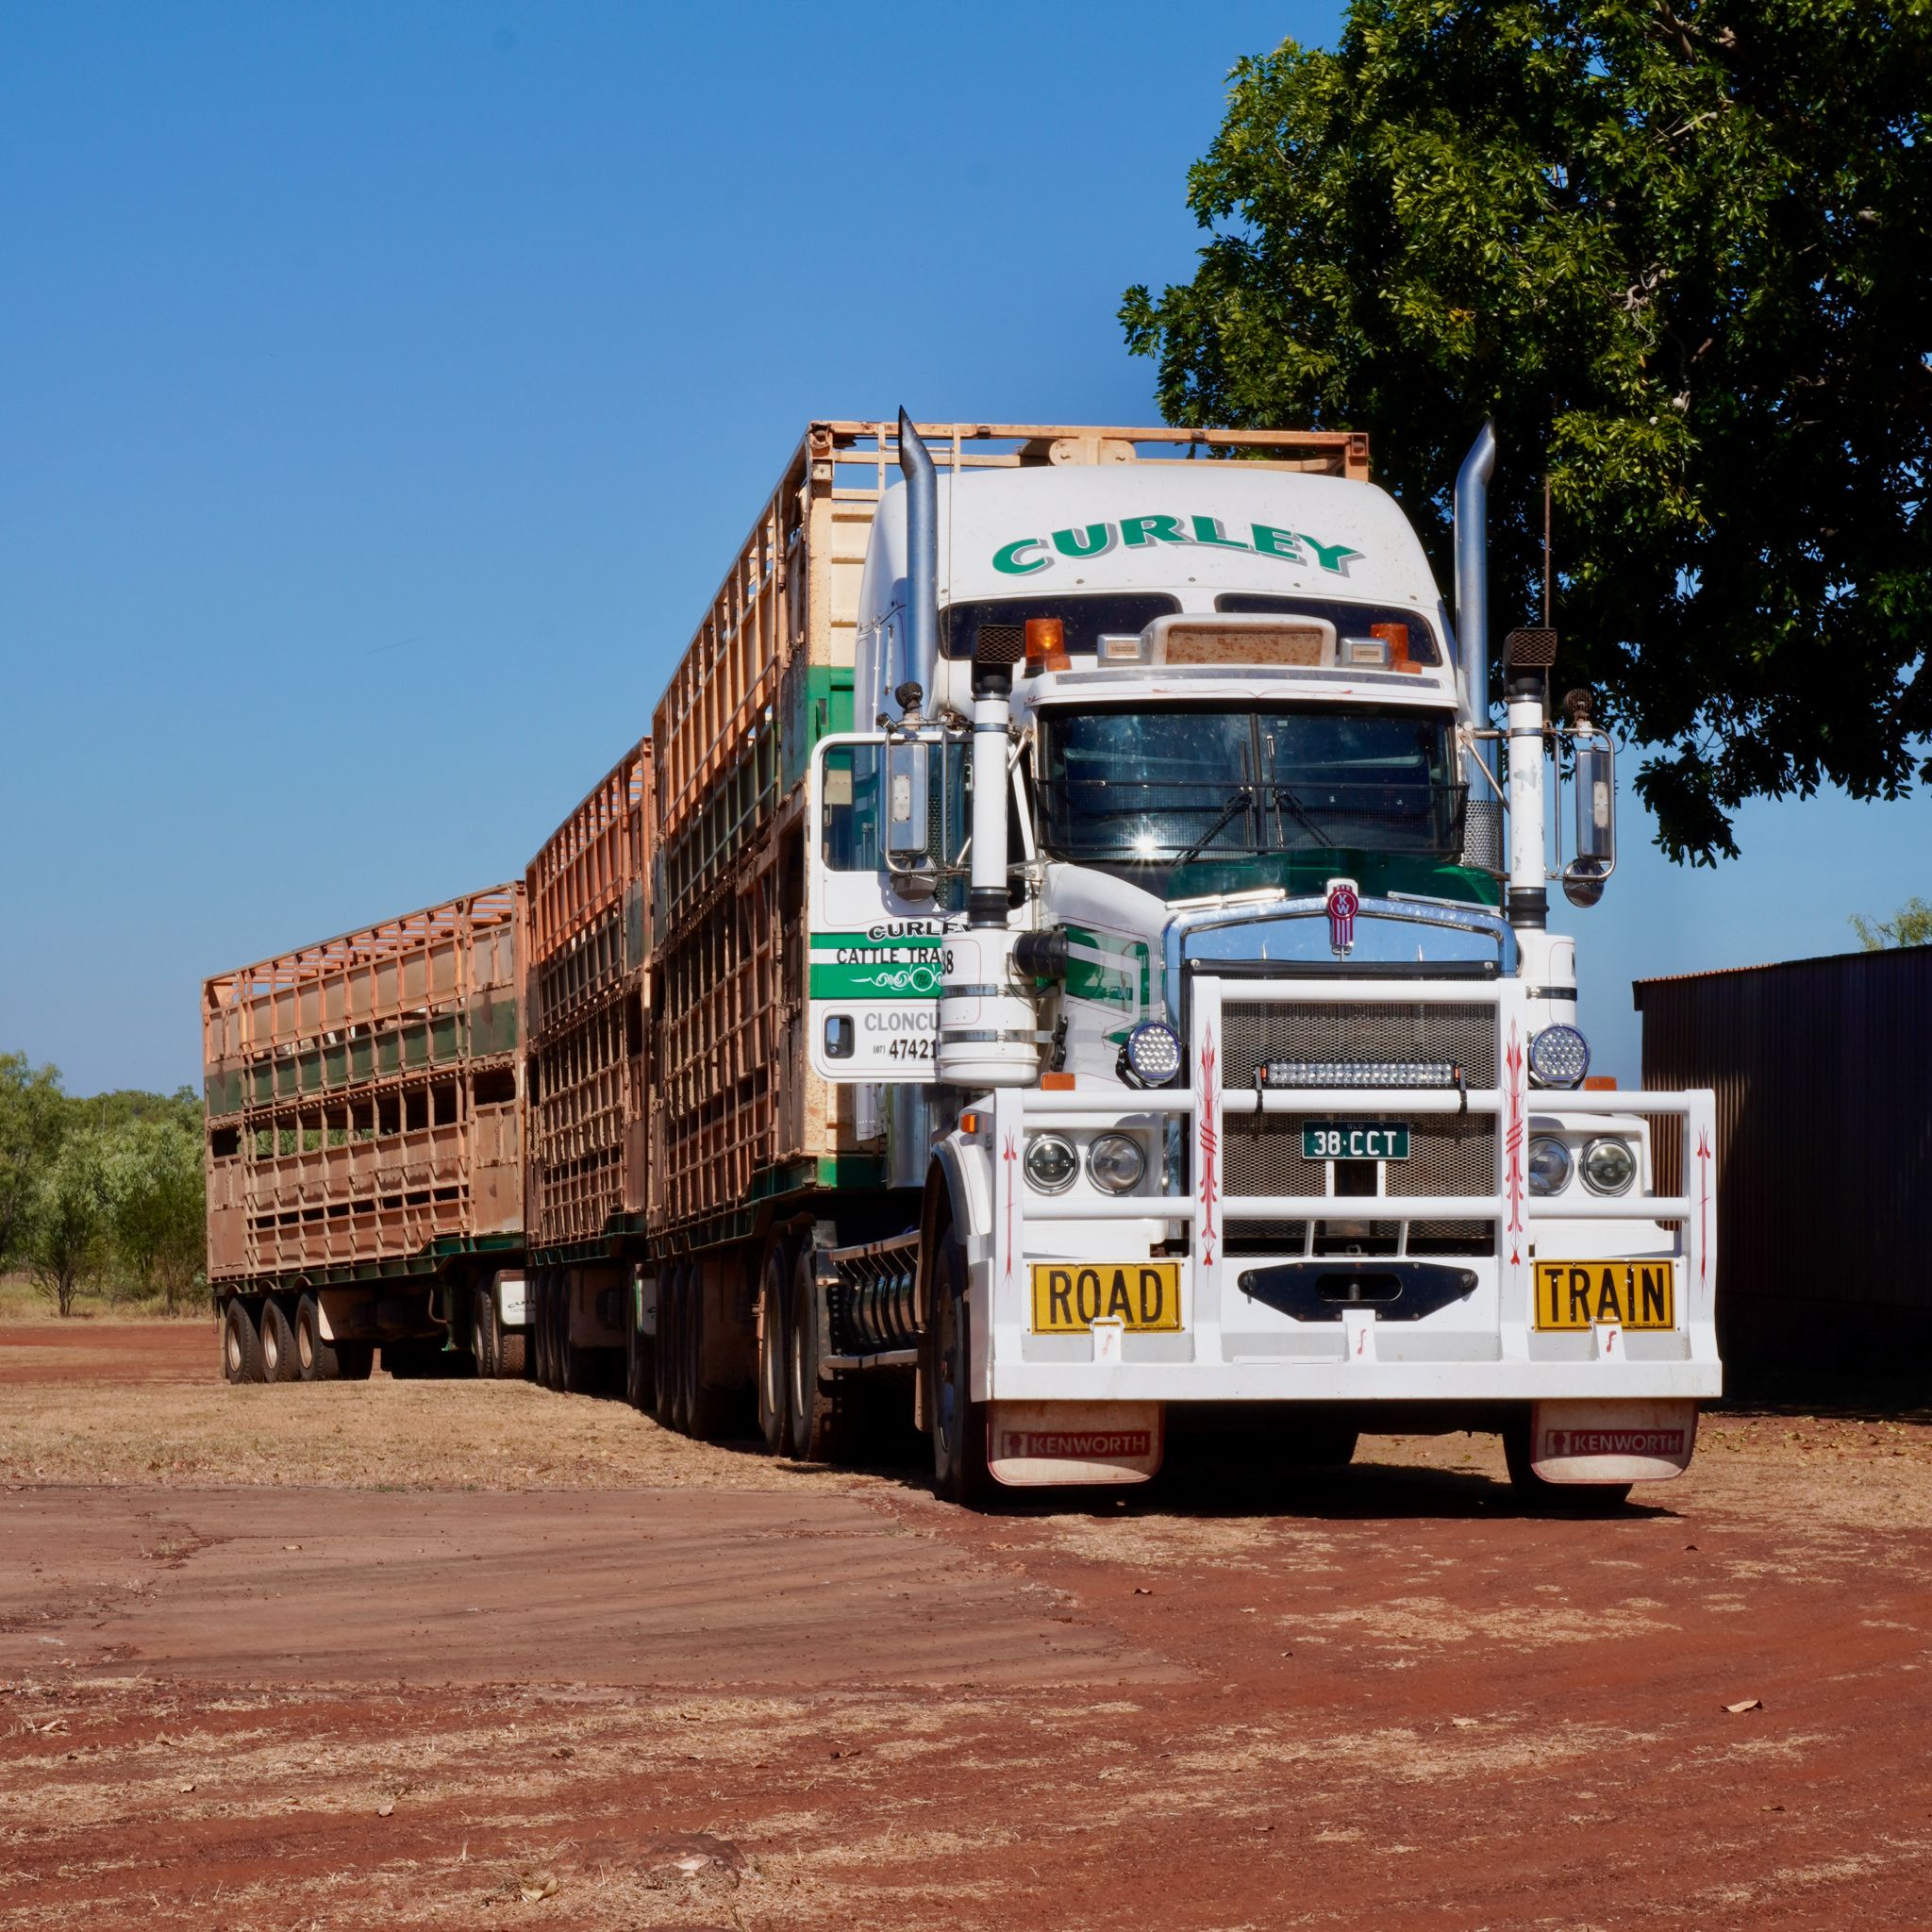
<point x="1169" y="786"/>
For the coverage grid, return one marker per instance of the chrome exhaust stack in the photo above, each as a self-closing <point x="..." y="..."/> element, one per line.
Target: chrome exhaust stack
<point x="922" y="650"/>
<point x="1473" y="575"/>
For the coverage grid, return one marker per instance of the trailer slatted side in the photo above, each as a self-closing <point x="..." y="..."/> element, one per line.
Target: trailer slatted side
<point x="590" y="896"/>
<point x="362" y="1095"/>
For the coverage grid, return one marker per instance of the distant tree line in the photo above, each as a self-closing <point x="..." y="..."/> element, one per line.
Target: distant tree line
<point x="100" y="1193"/>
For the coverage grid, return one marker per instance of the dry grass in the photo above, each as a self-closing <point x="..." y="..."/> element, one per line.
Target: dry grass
<point x="378" y="1434"/>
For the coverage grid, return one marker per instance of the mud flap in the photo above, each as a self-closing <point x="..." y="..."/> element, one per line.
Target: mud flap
<point x="1036" y="1443"/>
<point x="1611" y="1441"/>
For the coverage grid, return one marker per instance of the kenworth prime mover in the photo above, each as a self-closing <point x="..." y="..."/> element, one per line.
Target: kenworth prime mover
<point x="1070" y="964"/>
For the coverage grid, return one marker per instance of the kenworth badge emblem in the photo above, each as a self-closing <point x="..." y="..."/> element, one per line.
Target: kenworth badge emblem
<point x="1344" y="901"/>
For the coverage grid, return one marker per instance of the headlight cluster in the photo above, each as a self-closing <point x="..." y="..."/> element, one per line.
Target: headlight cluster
<point x="1608" y="1165"/>
<point x="1115" y="1164"/>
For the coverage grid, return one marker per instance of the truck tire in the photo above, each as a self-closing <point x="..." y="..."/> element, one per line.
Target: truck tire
<point x="355" y="1361"/>
<point x="543" y="1329"/>
<point x="278" y="1358"/>
<point x="775" y="1347"/>
<point x="640" y="1364"/>
<point x="240" y="1343"/>
<point x="483" y="1343"/>
<point x="579" y="1370"/>
<point x="958" y="1424"/>
<point x="1554" y="1499"/>
<point x="816" y="1434"/>
<point x="704" y="1408"/>
<point x="317" y="1359"/>
<point x="665" y="1408"/>
<point x="512" y="1355"/>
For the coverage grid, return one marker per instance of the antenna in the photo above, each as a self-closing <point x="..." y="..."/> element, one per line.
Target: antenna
<point x="1546" y="550"/>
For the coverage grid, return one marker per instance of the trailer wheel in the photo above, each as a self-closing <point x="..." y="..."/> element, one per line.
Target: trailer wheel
<point x="1554" y="1499"/>
<point x="278" y="1358"/>
<point x="543" y="1328"/>
<point x="512" y="1355"/>
<point x="816" y="1436"/>
<point x="355" y="1361"/>
<point x="317" y="1359"/>
<point x="240" y="1343"/>
<point x="669" y="1407"/>
<point x="483" y="1343"/>
<point x="579" y="1370"/>
<point x="704" y="1406"/>
<point x="960" y="1471"/>
<point x="775" y="1347"/>
<point x="639" y="1363"/>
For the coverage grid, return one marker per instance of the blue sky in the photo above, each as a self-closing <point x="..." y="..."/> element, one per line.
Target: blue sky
<point x="383" y="390"/>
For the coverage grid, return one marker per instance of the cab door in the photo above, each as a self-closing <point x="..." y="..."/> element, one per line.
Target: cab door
<point x="874" y="928"/>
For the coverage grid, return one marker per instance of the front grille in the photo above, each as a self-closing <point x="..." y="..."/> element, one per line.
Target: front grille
<point x="1447" y="1155"/>
<point x="1348" y="1031"/>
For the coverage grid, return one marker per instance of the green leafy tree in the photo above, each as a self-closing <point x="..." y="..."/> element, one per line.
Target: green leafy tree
<point x="1910" y="926"/>
<point x="155" y="1205"/>
<point x="67" y="1235"/>
<point x="33" y="1120"/>
<point x="1677" y="251"/>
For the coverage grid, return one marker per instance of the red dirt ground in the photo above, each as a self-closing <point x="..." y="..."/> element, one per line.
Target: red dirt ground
<point x="765" y="1697"/>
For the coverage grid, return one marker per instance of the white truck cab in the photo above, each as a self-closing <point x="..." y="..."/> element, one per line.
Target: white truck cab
<point x="1181" y="921"/>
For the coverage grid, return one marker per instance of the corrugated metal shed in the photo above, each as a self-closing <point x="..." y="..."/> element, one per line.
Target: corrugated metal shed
<point x="1823" y="1070"/>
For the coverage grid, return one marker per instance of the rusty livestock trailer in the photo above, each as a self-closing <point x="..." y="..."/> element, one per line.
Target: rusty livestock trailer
<point x="364" y="1149"/>
<point x="587" y="1008"/>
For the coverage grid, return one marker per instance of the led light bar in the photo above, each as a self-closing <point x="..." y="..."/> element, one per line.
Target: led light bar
<point x="1408" y="1073"/>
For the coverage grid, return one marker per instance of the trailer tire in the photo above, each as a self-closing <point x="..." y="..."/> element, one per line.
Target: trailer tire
<point x="240" y="1343"/>
<point x="317" y="1359"/>
<point x="580" y="1371"/>
<point x="669" y="1407"/>
<point x="483" y="1331"/>
<point x="958" y="1424"/>
<point x="544" y="1329"/>
<point x="278" y="1360"/>
<point x="640" y="1364"/>
<point x="775" y="1347"/>
<point x="1554" y="1499"/>
<point x="817" y="1412"/>
<point x="355" y="1361"/>
<point x="704" y="1408"/>
<point x="512" y="1355"/>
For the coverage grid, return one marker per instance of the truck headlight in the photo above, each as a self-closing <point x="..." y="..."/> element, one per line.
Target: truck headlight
<point x="1116" y="1163"/>
<point x="1558" y="1057"/>
<point x="1549" y="1165"/>
<point x="1050" y="1163"/>
<point x="1608" y="1167"/>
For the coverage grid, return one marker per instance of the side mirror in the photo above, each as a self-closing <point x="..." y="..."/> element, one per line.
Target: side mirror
<point x="909" y="823"/>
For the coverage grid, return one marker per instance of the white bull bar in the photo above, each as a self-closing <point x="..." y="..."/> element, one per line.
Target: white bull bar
<point x="1515" y="1372"/>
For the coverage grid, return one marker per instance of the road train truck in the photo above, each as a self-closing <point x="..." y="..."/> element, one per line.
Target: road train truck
<point x="1079" y="973"/>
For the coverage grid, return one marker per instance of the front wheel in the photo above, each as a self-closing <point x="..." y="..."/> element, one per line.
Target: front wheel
<point x="958" y="1424"/>
<point x="1554" y="1499"/>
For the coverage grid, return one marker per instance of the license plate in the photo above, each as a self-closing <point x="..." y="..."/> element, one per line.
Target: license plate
<point x="1580" y="1294"/>
<point x="1343" y="1140"/>
<point x="1069" y="1297"/>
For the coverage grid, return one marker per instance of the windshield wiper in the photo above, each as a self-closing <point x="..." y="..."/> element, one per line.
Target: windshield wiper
<point x="1284" y="795"/>
<point x="1236" y="803"/>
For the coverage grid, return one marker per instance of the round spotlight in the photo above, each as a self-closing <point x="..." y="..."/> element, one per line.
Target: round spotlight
<point x="1116" y="1163"/>
<point x="1549" y="1165"/>
<point x="1558" y="1057"/>
<point x="1608" y="1167"/>
<point x="1153" y="1052"/>
<point x="1050" y="1163"/>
